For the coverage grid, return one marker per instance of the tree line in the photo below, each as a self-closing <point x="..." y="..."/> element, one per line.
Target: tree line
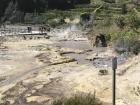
<point x="40" y="5"/>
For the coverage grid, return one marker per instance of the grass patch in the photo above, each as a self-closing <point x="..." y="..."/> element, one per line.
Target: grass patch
<point x="80" y="99"/>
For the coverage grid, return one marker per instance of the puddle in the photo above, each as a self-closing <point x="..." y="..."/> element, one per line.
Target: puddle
<point x="81" y="58"/>
<point x="81" y="45"/>
<point x="107" y="62"/>
<point x="76" y="45"/>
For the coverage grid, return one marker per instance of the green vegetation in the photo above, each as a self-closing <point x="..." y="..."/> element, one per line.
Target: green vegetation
<point x="12" y="8"/>
<point x="121" y="23"/>
<point x="128" y="34"/>
<point x="126" y="41"/>
<point x="118" y="20"/>
<point x="78" y="100"/>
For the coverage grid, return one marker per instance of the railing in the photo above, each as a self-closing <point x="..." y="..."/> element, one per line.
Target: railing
<point x="11" y="31"/>
<point x="21" y="31"/>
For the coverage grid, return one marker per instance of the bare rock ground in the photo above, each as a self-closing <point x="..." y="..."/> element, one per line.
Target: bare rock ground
<point x="36" y="80"/>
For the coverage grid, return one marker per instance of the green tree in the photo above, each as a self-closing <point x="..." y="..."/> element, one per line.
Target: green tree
<point x="134" y="20"/>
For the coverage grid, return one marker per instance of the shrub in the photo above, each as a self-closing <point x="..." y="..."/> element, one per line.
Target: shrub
<point x="81" y="99"/>
<point x="120" y="21"/>
<point x="126" y="41"/>
<point x="134" y="20"/>
<point x="131" y="20"/>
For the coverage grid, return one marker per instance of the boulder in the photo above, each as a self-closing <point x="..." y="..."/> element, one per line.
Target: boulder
<point x="100" y="40"/>
<point x="85" y="17"/>
<point x="103" y="72"/>
<point x="38" y="99"/>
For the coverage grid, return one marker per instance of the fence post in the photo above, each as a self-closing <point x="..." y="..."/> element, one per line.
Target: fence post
<point x="114" y="67"/>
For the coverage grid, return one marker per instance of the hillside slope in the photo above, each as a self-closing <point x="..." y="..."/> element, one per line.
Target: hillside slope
<point x="19" y="7"/>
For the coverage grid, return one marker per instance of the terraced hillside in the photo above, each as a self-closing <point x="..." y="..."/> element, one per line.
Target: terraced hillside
<point x="103" y="10"/>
